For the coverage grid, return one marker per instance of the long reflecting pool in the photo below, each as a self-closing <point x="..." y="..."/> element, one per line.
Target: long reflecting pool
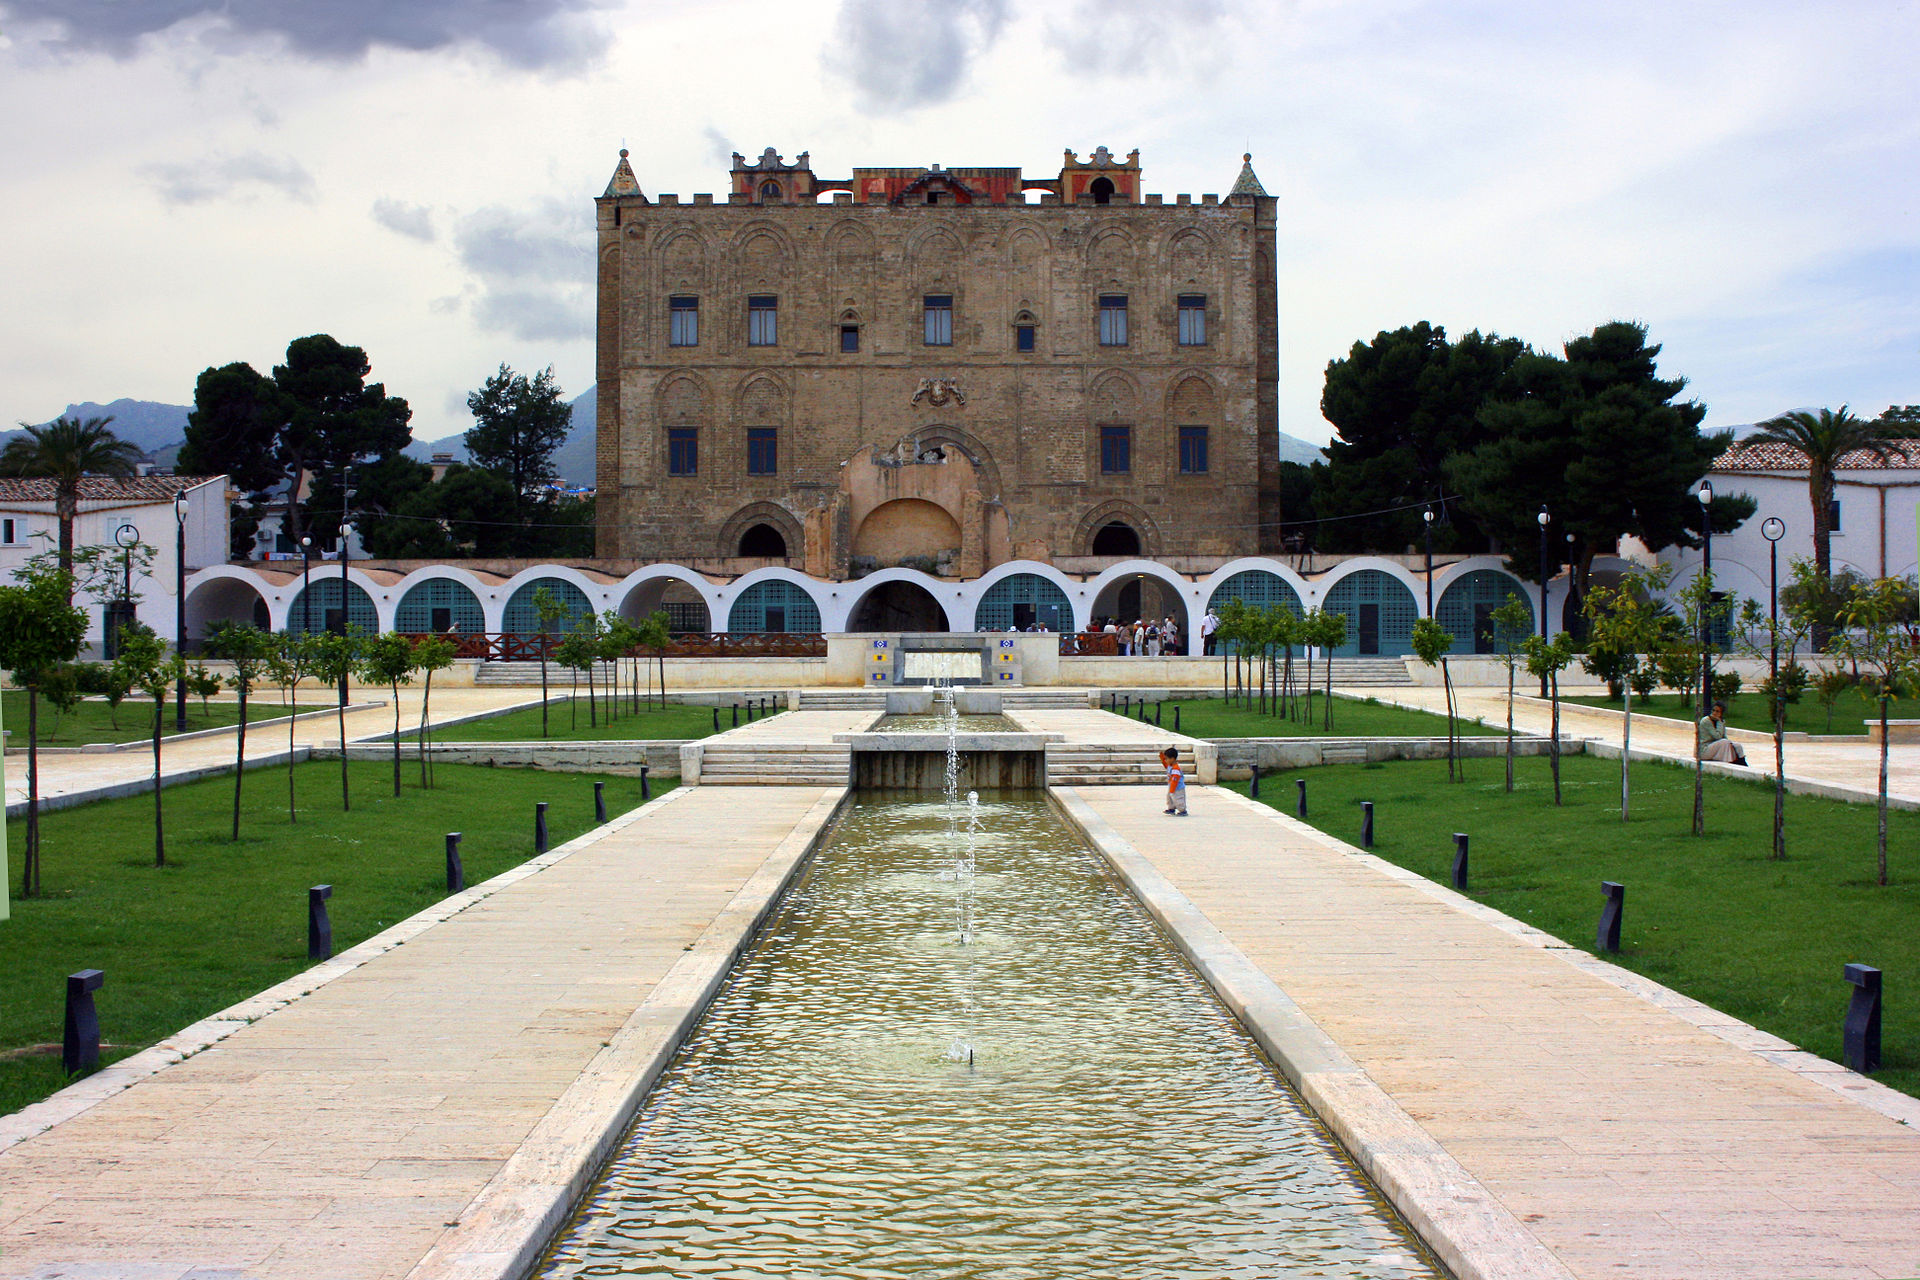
<point x="1062" y="1096"/>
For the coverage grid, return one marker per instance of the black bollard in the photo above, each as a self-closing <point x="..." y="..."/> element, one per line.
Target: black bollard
<point x="1159" y="709"/>
<point x="319" y="923"/>
<point x="1607" y="936"/>
<point x="1253" y="786"/>
<point x="716" y="717"/>
<point x="1176" y="718"/>
<point x="765" y="703"/>
<point x="1300" y="805"/>
<point x="1143" y="711"/>
<point x="1366" y="824"/>
<point x="540" y="826"/>
<point x="1460" y="861"/>
<point x="645" y="794"/>
<point x="80" y="1050"/>
<point x="456" y="870"/>
<point x="1126" y="707"/>
<point x="600" y="799"/>
<point x="1860" y="1036"/>
<point x="736" y="715"/>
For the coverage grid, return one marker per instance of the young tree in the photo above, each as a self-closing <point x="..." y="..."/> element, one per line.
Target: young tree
<point x="620" y="640"/>
<point x="247" y="648"/>
<point x="333" y="417"/>
<point x="1824" y="438"/>
<point x="335" y="656"/>
<point x="387" y="659"/>
<point x="203" y="684"/>
<point x="289" y="661"/>
<point x="63" y="451"/>
<point x="1546" y="659"/>
<point x="1879" y="638"/>
<point x="517" y="426"/>
<point x="1512" y="623"/>
<point x="1430" y="643"/>
<point x="577" y="652"/>
<point x="234" y="430"/>
<point x="1329" y="632"/>
<point x="654" y="636"/>
<point x="430" y="654"/>
<point x="1763" y="634"/>
<point x="39" y="630"/>
<point x="549" y="609"/>
<point x="148" y="667"/>
<point x="1702" y="612"/>
<point x="1622" y="624"/>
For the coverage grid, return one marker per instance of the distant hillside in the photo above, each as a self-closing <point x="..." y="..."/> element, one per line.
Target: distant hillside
<point x="154" y="427"/>
<point x="1294" y="449"/>
<point x="574" y="460"/>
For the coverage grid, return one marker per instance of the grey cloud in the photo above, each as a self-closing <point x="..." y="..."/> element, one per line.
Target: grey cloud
<point x="719" y="149"/>
<point x="534" y="34"/>
<point x="412" y="220"/>
<point x="1115" y="36"/>
<point x="901" y="53"/>
<point x="534" y="269"/>
<point x="216" y="177"/>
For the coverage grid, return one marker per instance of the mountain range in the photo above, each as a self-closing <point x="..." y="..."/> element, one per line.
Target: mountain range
<point x="160" y="429"/>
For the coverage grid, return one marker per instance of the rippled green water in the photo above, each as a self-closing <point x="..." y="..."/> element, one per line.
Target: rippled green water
<point x="1115" y="1121"/>
<point x="934" y="722"/>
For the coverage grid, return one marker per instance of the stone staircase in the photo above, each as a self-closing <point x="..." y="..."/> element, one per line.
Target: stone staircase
<point x="1043" y="699"/>
<point x="842" y="700"/>
<point x="496" y="674"/>
<point x="1080" y="764"/>
<point x="1367" y="672"/>
<point x="775" y="764"/>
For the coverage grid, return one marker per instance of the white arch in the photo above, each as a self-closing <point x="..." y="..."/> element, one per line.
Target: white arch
<point x="1187" y="591"/>
<point x="865" y="586"/>
<point x="1264" y="564"/>
<point x="828" y="597"/>
<point x="378" y="592"/>
<point x="277" y="598"/>
<point x="709" y="593"/>
<point x="1393" y="569"/>
<point x="490" y="609"/>
<point x="969" y="594"/>
<point x="599" y="594"/>
<point x="1445" y="577"/>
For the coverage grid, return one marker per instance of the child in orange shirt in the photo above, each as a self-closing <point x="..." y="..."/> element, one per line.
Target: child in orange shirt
<point x="1176" y="782"/>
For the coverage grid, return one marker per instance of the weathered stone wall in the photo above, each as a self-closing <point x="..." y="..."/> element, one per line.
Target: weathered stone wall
<point x="1026" y="436"/>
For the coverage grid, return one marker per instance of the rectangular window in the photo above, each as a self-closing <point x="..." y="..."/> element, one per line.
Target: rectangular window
<point x="1193" y="319"/>
<point x="7" y="532"/>
<point x="939" y="320"/>
<point x="1023" y="336"/>
<point x="763" y="451"/>
<point x="683" y="451"/>
<point x="850" y="338"/>
<point x="1116" y="450"/>
<point x="1193" y="451"/>
<point x="763" y="320"/>
<point x="683" y="322"/>
<point x="1833" y="516"/>
<point x="1113" y="319"/>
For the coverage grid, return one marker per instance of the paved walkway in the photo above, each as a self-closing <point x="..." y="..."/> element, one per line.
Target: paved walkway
<point x="1849" y="763"/>
<point x="1090" y="727"/>
<point x="1631" y="1141"/>
<point x="343" y="1134"/>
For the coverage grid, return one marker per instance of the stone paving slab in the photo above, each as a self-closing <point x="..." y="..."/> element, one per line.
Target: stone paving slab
<point x="1627" y="1138"/>
<point x="344" y="1132"/>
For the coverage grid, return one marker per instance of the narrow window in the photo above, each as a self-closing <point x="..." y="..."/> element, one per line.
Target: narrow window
<point x="6" y="532"/>
<point x="939" y="319"/>
<point x="933" y="197"/>
<point x="683" y="321"/>
<point x="1193" y="319"/>
<point x="769" y="191"/>
<point x="683" y="451"/>
<point x="1116" y="450"/>
<point x="1023" y="337"/>
<point x="1113" y="319"/>
<point x="1833" y="516"/>
<point x="1102" y="190"/>
<point x="763" y="451"/>
<point x="850" y="338"/>
<point x="763" y="320"/>
<point x="1193" y="451"/>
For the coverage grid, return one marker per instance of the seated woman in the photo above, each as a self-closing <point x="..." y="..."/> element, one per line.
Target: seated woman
<point x="1713" y="742"/>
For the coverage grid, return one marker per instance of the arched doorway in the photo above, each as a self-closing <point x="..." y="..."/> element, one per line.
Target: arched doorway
<point x="685" y="607"/>
<point x="1142" y="597"/>
<point x="1101" y="189"/>
<point x="316" y="608"/>
<point x="1116" y="538"/>
<point x="227" y="600"/>
<point x="522" y="618"/>
<point x="1466" y="608"/>
<point x="439" y="605"/>
<point x="763" y="542"/>
<point x="1257" y="589"/>
<point x="1379" y="610"/>
<point x="898" y="606"/>
<point x="774" y="605"/>
<point x="1021" y="600"/>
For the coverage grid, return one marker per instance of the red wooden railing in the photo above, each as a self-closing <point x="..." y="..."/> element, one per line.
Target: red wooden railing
<point x="1089" y="644"/>
<point x="496" y="646"/>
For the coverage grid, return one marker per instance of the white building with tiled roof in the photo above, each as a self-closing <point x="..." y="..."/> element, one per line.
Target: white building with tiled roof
<point x="29" y="526"/>
<point x="1876" y="516"/>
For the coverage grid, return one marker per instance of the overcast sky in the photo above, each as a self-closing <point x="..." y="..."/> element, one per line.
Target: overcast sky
<point x="191" y="182"/>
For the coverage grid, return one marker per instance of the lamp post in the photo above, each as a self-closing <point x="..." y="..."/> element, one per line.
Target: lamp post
<point x="1544" y="520"/>
<point x="1706" y="599"/>
<point x="1773" y="528"/>
<point x="1427" y="517"/>
<point x="180" y="606"/>
<point x="127" y="537"/>
<point x="346" y="531"/>
<point x="306" y="584"/>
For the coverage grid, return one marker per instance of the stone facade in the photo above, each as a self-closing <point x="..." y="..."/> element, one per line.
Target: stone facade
<point x="919" y="367"/>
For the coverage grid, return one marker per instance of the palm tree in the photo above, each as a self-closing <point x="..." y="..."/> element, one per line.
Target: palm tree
<point x="1825" y="437"/>
<point x="65" y="450"/>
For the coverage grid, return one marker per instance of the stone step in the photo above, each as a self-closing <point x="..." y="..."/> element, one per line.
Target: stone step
<point x="774" y="780"/>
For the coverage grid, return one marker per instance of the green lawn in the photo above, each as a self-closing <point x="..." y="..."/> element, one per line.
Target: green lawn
<point x="1712" y="916"/>
<point x="570" y="722"/>
<point x="222" y="921"/>
<point x="1749" y="711"/>
<point x="1352" y="718"/>
<point x="93" y="721"/>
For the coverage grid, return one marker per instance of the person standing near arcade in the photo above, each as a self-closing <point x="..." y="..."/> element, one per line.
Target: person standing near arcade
<point x="1176" y="782"/>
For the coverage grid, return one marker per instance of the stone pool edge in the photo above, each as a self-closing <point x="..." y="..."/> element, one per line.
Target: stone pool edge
<point x="502" y="1233"/>
<point x="1465" y="1225"/>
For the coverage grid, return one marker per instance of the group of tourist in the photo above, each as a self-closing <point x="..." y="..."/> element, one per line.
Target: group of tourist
<point x="1143" y="637"/>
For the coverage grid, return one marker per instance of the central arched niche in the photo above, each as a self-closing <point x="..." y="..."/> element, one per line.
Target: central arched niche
<point x="898" y="606"/>
<point x="1116" y="538"/>
<point x="909" y="531"/>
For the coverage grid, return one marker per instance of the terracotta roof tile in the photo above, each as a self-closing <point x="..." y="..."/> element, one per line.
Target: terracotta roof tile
<point x="101" y="488"/>
<point x="1780" y="457"/>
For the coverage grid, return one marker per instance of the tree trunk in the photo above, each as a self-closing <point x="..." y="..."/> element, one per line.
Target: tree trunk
<point x="1510" y="674"/>
<point x="1455" y="773"/>
<point x="426" y="700"/>
<point x="159" y="830"/>
<point x="543" y="684"/>
<point x="293" y="709"/>
<point x="573" y="700"/>
<point x="346" y="800"/>
<point x="30" y="885"/>
<point x="1553" y="747"/>
<point x="1819" y="493"/>
<point x="593" y="712"/>
<point x="1779" y="773"/>
<point x="66" y="505"/>
<point x="396" y="740"/>
<point x="1883" y="788"/>
<point x="239" y="761"/>
<point x="1626" y="744"/>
